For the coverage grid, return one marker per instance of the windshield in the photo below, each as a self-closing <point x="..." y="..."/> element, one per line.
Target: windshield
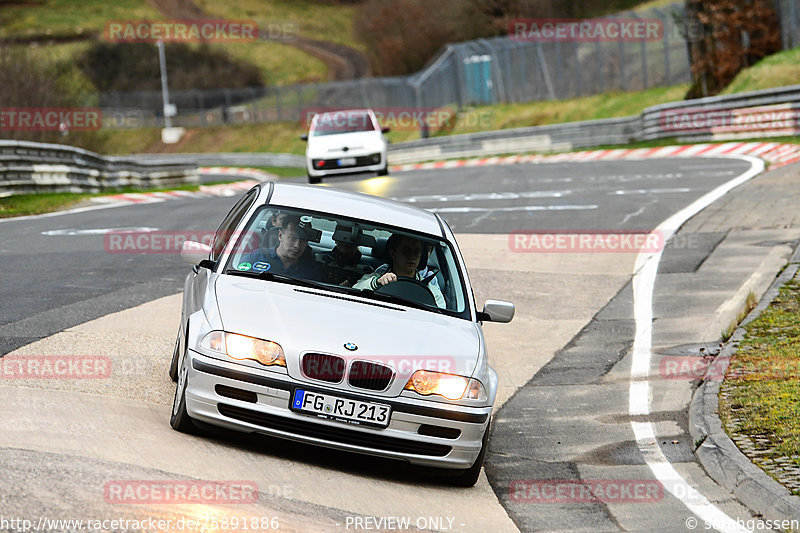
<point x="350" y="255"/>
<point x="342" y="122"/>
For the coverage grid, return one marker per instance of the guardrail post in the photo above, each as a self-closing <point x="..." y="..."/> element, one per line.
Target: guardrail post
<point x="598" y="55"/>
<point x="559" y="69"/>
<point x="667" y="45"/>
<point x="577" y="74"/>
<point x="545" y="73"/>
<point x="522" y="60"/>
<point x="299" y="100"/>
<point x="643" y="53"/>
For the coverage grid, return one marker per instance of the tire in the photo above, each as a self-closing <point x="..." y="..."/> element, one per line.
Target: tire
<point x="176" y="352"/>
<point x="384" y="171"/>
<point x="468" y="477"/>
<point x="314" y="179"/>
<point x="179" y="419"/>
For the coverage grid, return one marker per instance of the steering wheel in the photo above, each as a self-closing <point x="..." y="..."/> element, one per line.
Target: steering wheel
<point x="409" y="289"/>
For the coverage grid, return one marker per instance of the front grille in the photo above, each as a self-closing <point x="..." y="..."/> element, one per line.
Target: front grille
<point x="323" y="367"/>
<point x="333" y="434"/>
<point x="370" y="376"/>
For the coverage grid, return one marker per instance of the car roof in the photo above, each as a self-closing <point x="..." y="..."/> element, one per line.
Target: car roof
<point x="360" y="110"/>
<point x="353" y="204"/>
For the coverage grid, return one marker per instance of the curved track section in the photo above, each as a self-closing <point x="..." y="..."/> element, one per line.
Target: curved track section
<point x="564" y="363"/>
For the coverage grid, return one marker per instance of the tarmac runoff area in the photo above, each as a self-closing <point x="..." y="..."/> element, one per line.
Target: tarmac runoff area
<point x="124" y="417"/>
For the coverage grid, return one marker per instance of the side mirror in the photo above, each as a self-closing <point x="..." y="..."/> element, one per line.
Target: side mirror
<point x="497" y="311"/>
<point x="304" y="137"/>
<point x="386" y="129"/>
<point x="194" y="252"/>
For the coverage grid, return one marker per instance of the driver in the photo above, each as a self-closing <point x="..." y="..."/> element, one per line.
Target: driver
<point x="405" y="255"/>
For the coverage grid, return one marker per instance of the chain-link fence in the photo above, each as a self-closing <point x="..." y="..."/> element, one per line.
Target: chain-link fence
<point x="506" y="69"/>
<point x="789" y="17"/>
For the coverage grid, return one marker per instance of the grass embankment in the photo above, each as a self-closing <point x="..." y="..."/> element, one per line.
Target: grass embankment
<point x="775" y="71"/>
<point x="284" y="137"/>
<point x="312" y="19"/>
<point x="760" y="396"/>
<point x="68" y="17"/>
<point x="279" y="63"/>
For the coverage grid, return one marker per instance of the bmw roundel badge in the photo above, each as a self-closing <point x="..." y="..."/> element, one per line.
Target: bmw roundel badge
<point x="350" y="346"/>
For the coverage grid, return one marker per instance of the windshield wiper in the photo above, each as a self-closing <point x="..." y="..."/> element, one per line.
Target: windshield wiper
<point x="366" y="293"/>
<point x="282" y="278"/>
<point x="391" y="298"/>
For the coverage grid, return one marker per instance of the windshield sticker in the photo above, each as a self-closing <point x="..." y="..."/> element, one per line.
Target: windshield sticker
<point x="244" y="266"/>
<point x="261" y="266"/>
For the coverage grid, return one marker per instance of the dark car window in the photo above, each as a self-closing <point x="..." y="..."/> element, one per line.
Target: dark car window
<point x="367" y="255"/>
<point x="342" y="122"/>
<point x="225" y="230"/>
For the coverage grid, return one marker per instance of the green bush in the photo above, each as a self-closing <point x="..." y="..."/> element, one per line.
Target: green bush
<point x="29" y="82"/>
<point x="134" y="67"/>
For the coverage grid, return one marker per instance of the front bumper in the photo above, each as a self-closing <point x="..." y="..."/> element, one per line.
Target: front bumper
<point x="238" y="398"/>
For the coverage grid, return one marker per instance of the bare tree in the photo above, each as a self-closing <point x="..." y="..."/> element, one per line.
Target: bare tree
<point x="735" y="34"/>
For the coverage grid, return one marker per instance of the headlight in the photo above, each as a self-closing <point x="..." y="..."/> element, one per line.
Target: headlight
<point x="241" y="347"/>
<point x="450" y="386"/>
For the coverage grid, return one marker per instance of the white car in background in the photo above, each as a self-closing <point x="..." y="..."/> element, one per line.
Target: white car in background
<point x="345" y="142"/>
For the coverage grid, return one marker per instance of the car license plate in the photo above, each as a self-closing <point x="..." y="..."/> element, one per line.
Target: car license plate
<point x="344" y="410"/>
<point x="347" y="161"/>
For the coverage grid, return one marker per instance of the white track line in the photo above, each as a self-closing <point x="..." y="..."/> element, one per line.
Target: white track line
<point x="67" y="212"/>
<point x="639" y="393"/>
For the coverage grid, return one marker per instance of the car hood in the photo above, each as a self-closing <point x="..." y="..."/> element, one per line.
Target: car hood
<point x="362" y="140"/>
<point x="304" y="319"/>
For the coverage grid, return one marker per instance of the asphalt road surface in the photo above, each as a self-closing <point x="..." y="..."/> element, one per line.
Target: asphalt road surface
<point x="564" y="419"/>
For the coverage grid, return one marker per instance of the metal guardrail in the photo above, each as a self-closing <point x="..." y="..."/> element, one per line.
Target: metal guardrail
<point x="551" y="138"/>
<point x="32" y="167"/>
<point x="765" y="113"/>
<point x="225" y="159"/>
<point x="28" y="167"/>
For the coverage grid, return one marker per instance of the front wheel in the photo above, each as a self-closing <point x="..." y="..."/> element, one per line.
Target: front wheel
<point x="384" y="171"/>
<point x="176" y="353"/>
<point x="179" y="419"/>
<point x="314" y="179"/>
